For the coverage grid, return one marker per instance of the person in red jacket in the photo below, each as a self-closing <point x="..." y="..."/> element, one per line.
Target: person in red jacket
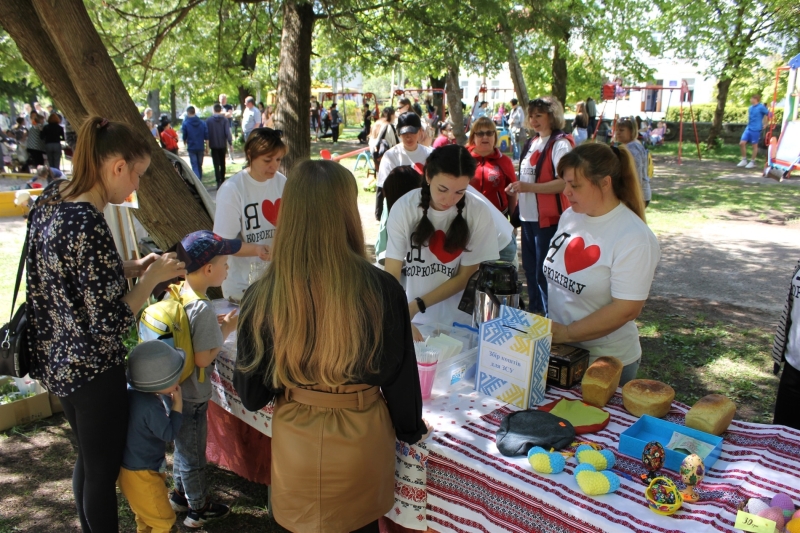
<point x="495" y="171"/>
<point x="541" y="192"/>
<point x="169" y="137"/>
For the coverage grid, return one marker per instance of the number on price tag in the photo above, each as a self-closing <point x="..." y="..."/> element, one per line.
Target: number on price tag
<point x="753" y="523"/>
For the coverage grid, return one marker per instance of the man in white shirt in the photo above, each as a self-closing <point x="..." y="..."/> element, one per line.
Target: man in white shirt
<point x="249" y="117"/>
<point x="409" y="152"/>
<point x="516" y="120"/>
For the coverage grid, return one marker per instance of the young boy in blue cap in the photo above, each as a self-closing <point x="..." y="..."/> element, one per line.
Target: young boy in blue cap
<point x="154" y="369"/>
<point x="206" y="257"/>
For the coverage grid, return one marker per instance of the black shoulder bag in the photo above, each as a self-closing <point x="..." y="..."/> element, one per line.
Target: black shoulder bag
<point x="15" y="354"/>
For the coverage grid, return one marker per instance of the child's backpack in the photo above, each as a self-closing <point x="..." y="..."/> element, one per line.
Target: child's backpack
<point x="167" y="321"/>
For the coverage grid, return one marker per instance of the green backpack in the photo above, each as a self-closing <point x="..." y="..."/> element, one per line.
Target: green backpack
<point x="167" y="321"/>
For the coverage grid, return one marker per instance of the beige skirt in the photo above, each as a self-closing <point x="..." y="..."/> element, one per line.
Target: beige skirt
<point x="333" y="459"/>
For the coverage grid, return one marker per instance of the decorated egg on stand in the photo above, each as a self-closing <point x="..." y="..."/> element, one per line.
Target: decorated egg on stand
<point x="692" y="473"/>
<point x="653" y="457"/>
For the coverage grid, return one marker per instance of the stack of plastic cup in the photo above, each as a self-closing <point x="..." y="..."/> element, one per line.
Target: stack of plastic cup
<point x="427" y="359"/>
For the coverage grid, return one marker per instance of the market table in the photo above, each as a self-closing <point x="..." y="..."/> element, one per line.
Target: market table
<point x="458" y="481"/>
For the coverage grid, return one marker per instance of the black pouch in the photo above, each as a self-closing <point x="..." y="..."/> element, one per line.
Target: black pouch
<point x="521" y="431"/>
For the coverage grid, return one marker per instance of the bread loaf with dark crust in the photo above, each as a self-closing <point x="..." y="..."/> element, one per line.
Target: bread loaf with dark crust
<point x="647" y="397"/>
<point x="601" y="380"/>
<point x="712" y="414"/>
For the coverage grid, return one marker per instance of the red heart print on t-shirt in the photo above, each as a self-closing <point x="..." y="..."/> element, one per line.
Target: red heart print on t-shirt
<point x="436" y="245"/>
<point x="270" y="211"/>
<point x="579" y="256"/>
<point x="420" y="167"/>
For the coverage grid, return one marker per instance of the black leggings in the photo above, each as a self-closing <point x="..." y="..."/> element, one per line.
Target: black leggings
<point x="98" y="415"/>
<point x="786" y="411"/>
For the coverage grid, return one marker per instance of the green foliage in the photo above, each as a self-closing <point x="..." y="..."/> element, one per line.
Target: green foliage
<point x="734" y="114"/>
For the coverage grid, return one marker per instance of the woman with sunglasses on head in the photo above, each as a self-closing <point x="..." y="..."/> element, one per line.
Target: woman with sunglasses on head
<point x="248" y="204"/>
<point x="540" y="189"/>
<point x="440" y="234"/>
<point x="601" y="262"/>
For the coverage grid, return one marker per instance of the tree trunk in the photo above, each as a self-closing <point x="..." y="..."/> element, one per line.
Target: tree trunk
<point x="517" y="78"/>
<point x="454" y="103"/>
<point x="248" y="64"/>
<point x="560" y="51"/>
<point x="723" y="86"/>
<point x="294" y="81"/>
<point x="173" y="108"/>
<point x="68" y="56"/>
<point x="438" y="98"/>
<point x="20" y="20"/>
<point x="154" y="103"/>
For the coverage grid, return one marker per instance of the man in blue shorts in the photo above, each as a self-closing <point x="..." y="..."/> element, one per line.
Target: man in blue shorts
<point x="757" y="115"/>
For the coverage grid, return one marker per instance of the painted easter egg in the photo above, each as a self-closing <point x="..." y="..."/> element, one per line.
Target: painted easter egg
<point x="653" y="456"/>
<point x="692" y="470"/>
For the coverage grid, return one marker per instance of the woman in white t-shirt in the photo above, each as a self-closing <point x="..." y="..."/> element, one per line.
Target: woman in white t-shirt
<point x="438" y="236"/>
<point x="602" y="258"/>
<point x="247" y="208"/>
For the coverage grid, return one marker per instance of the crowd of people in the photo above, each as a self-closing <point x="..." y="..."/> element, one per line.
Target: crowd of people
<point x="36" y="137"/>
<point x="290" y="250"/>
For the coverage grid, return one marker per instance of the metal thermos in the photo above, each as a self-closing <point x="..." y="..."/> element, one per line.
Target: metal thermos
<point x="494" y="284"/>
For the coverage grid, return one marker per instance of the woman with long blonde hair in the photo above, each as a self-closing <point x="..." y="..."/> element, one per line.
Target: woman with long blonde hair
<point x="328" y="337"/>
<point x="602" y="259"/>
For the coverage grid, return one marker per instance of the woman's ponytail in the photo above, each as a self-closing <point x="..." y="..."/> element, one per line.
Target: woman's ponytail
<point x="628" y="187"/>
<point x="424" y="230"/>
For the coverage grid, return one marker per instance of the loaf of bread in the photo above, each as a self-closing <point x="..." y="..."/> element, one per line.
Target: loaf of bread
<point x="712" y="414"/>
<point x="647" y="397"/>
<point x="601" y="380"/>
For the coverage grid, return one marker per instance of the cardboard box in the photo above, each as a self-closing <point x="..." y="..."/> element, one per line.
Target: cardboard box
<point x="513" y="357"/>
<point x="26" y="410"/>
<point x="568" y="364"/>
<point x="55" y="403"/>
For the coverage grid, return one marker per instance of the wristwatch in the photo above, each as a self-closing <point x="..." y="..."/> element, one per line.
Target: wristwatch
<point x="420" y="304"/>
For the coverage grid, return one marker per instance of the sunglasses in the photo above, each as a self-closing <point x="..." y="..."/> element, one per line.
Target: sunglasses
<point x="268" y="133"/>
<point x="539" y="102"/>
<point x="486" y="133"/>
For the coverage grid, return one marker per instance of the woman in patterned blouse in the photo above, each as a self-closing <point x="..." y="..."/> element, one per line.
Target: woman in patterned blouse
<point x="80" y="309"/>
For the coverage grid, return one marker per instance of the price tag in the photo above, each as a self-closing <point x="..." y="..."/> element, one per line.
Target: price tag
<point x="753" y="523"/>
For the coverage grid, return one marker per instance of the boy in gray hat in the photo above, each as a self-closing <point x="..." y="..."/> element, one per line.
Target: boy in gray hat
<point x="154" y="369"/>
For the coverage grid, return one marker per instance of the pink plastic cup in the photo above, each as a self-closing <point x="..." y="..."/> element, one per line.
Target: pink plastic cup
<point x="427" y="374"/>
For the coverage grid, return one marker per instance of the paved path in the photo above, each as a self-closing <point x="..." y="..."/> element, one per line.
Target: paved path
<point x="742" y="263"/>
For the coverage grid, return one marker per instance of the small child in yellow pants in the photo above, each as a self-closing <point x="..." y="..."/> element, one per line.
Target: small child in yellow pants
<point x="154" y="369"/>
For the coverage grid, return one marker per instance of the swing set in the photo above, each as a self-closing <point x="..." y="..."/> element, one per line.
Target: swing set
<point x="609" y="94"/>
<point x="783" y="154"/>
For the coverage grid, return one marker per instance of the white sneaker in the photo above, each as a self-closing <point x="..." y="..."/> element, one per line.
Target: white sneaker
<point x="742" y="163"/>
<point x="751" y="164"/>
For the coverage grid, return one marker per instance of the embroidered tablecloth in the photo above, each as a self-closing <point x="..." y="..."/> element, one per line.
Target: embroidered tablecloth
<point x="457" y="480"/>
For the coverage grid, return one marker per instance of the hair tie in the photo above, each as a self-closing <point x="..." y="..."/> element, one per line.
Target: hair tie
<point x="103" y="124"/>
<point x="616" y="151"/>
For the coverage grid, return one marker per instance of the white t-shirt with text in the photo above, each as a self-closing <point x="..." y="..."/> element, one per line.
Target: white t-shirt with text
<point x="428" y="267"/>
<point x="398" y="156"/>
<point x="246" y="210"/>
<point x="591" y="260"/>
<point x="528" y="207"/>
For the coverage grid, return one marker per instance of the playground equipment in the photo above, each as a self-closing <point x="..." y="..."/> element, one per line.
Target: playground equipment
<point x="783" y="154"/>
<point x="609" y="93"/>
<point x="349" y="95"/>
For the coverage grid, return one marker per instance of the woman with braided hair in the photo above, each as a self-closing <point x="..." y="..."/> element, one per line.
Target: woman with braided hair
<point x="438" y="236"/>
